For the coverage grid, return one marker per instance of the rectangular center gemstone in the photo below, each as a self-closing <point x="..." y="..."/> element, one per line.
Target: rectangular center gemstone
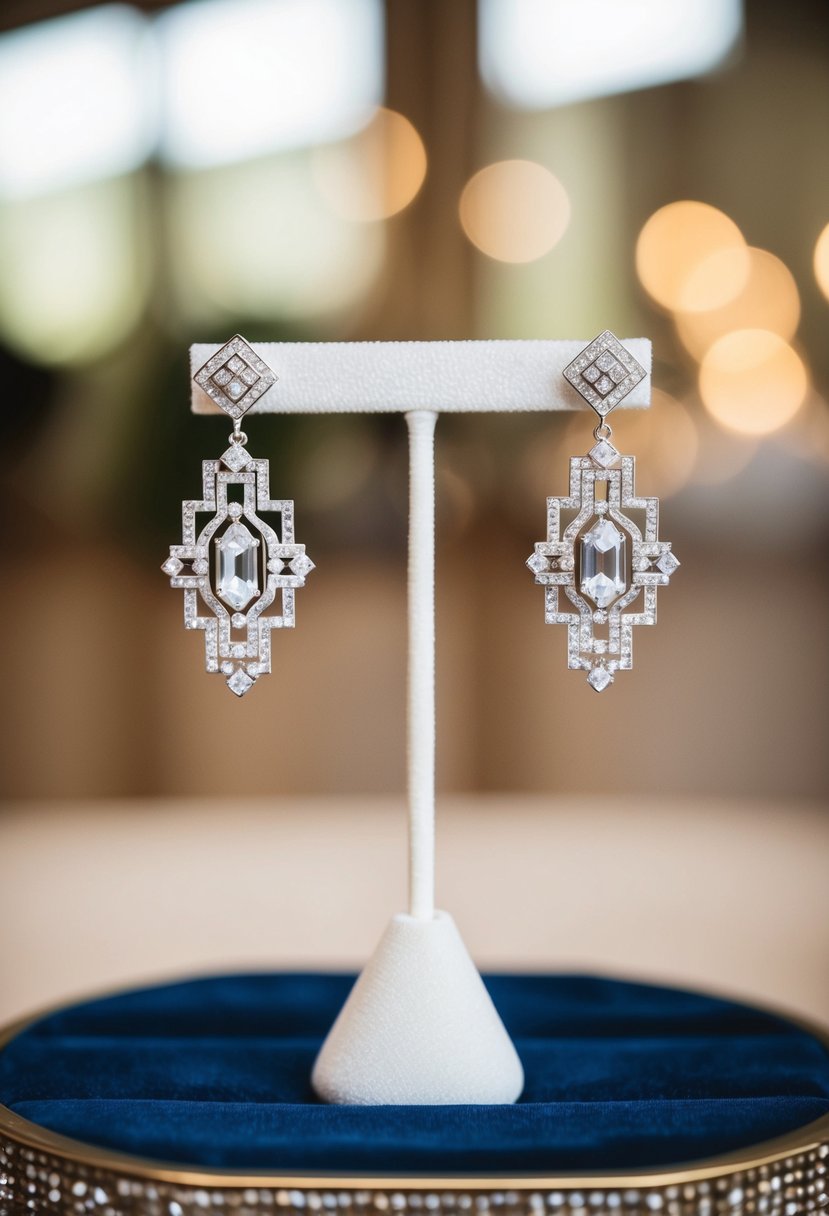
<point x="602" y="568"/>
<point x="237" y="581"/>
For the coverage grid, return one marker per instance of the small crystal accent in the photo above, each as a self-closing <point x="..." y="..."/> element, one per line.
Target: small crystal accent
<point x="235" y="457"/>
<point x="668" y="563"/>
<point x="276" y="565"/>
<point x="604" y="454"/>
<point x="602" y="567"/>
<point x="172" y="566"/>
<point x="235" y="509"/>
<point x="301" y="565"/>
<point x="240" y="682"/>
<point x="238" y="620"/>
<point x="238" y="576"/>
<point x="538" y="563"/>
<point x="599" y="678"/>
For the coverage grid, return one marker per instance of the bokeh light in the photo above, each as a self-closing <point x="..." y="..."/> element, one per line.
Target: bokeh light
<point x="514" y="210"/>
<point x="768" y="299"/>
<point x="751" y="381"/>
<point x="721" y="455"/>
<point x="74" y="272"/>
<point x="377" y="173"/>
<point x="664" y="440"/>
<point x="821" y="261"/>
<point x="673" y="247"/>
<point x="243" y="216"/>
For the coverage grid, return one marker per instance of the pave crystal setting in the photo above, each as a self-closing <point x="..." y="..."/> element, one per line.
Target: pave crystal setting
<point x="257" y="566"/>
<point x="604" y="373"/>
<point x="608" y="566"/>
<point x="235" y="377"/>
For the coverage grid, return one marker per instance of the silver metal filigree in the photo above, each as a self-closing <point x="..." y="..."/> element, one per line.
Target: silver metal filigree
<point x="237" y="566"/>
<point x="608" y="564"/>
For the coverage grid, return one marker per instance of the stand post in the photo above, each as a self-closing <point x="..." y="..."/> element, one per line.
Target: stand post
<point x="421" y="674"/>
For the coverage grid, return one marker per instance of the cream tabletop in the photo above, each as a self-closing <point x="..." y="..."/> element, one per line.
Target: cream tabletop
<point x="732" y="896"/>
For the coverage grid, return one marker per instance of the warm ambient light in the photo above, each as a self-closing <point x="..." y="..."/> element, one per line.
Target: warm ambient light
<point x="375" y="174"/>
<point x="514" y="210"/>
<point x="769" y="299"/>
<point x="674" y="246"/>
<point x="665" y="441"/>
<point x="821" y="262"/>
<point x="751" y="381"/>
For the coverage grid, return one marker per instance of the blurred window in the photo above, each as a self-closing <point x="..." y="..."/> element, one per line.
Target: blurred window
<point x="238" y="100"/>
<point x="535" y="54"/>
<point x="244" y="78"/>
<point x="74" y="101"/>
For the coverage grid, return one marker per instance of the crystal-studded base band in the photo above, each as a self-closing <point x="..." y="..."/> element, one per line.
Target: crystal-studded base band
<point x="67" y="1180"/>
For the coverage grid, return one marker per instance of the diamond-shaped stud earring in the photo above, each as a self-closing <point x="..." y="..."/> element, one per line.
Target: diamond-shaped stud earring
<point x="239" y="572"/>
<point x="607" y="566"/>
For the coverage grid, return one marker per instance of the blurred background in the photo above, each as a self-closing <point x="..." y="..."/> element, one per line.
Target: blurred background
<point x="351" y="170"/>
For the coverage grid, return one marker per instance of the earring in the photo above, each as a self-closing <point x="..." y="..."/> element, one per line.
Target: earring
<point x="603" y="561"/>
<point x="236" y="566"/>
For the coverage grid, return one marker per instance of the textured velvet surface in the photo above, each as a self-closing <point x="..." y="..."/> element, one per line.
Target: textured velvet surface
<point x="215" y="1072"/>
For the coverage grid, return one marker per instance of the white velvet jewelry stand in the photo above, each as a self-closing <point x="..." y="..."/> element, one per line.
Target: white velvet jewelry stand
<point x="419" y="1026"/>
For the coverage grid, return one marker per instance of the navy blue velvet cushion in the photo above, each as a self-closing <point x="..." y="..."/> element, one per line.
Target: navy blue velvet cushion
<point x="215" y="1072"/>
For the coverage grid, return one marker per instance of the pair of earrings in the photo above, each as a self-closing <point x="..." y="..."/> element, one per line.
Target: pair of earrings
<point x="236" y="566"/>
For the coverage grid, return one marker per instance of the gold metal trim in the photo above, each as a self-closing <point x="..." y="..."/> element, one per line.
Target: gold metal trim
<point x="811" y="1137"/>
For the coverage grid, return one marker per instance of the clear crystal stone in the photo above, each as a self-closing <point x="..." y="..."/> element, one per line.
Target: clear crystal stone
<point x="602" y="565"/>
<point x="668" y="563"/>
<point x="172" y="566"/>
<point x="599" y="678"/>
<point x="591" y="373"/>
<point x="603" y="454"/>
<point x="234" y="509"/>
<point x="236" y="364"/>
<point x="238" y="569"/>
<point x="235" y="389"/>
<point x="222" y="376"/>
<point x="240" y="682"/>
<point x="602" y="386"/>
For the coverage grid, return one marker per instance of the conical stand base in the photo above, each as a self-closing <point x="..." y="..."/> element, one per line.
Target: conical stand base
<point x="418" y="1027"/>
